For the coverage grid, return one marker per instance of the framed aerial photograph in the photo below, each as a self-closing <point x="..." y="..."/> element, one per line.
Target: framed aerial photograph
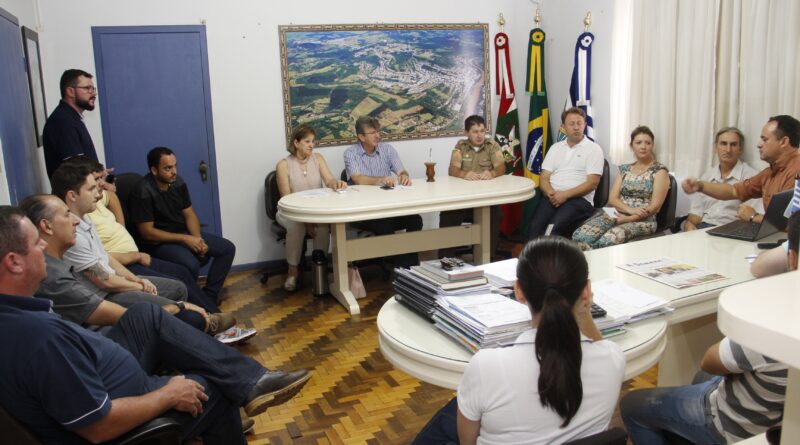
<point x="30" y="43"/>
<point x="419" y="80"/>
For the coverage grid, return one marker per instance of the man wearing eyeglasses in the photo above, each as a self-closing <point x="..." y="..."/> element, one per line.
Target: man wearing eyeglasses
<point x="372" y="162"/>
<point x="65" y="135"/>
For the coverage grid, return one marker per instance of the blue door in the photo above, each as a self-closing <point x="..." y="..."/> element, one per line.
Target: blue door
<point x="154" y="91"/>
<point x="22" y="168"/>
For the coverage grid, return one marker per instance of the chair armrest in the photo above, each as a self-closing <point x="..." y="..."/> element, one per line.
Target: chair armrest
<point x="614" y="436"/>
<point x="161" y="430"/>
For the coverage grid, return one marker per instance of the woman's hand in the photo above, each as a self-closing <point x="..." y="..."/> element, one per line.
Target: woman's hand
<point x="337" y="184"/>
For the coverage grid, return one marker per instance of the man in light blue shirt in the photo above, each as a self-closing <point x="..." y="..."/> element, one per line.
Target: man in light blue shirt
<point x="370" y="162"/>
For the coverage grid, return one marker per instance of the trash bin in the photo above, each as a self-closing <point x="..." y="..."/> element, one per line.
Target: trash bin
<point x="319" y="273"/>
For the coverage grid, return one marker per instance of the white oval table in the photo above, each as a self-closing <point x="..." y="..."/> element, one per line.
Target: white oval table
<point x="415" y="346"/>
<point x="365" y="202"/>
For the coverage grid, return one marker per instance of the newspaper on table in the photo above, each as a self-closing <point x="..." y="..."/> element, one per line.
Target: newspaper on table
<point x="672" y="272"/>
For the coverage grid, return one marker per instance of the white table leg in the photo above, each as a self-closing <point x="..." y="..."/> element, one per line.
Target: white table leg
<point x="481" y="253"/>
<point x="686" y="343"/>
<point x="341" y="286"/>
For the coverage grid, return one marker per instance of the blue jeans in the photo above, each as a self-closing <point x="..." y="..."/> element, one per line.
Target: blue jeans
<point x="157" y="340"/>
<point x="565" y="218"/>
<point x="651" y="414"/>
<point x="220" y="253"/>
<point x="167" y="269"/>
<point x="442" y="428"/>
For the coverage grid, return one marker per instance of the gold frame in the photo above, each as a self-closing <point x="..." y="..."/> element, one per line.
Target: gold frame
<point x="323" y="140"/>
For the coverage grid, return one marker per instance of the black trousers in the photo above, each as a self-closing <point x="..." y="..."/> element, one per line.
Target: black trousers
<point x="565" y="218"/>
<point x="386" y="226"/>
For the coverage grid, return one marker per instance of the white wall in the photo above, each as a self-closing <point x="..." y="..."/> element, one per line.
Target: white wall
<point x="245" y="76"/>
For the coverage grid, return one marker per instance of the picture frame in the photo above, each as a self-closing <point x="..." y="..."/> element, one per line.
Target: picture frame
<point x="419" y="80"/>
<point x="33" y="65"/>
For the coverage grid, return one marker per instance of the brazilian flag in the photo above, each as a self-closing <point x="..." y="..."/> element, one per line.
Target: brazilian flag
<point x="539" y="138"/>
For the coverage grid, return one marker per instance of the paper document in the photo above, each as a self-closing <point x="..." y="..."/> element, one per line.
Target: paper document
<point x="315" y="193"/>
<point x="501" y="273"/>
<point x="672" y="272"/>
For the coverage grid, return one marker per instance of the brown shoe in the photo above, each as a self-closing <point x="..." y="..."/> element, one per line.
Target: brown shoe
<point x="248" y="424"/>
<point x="274" y="388"/>
<point x="220" y="322"/>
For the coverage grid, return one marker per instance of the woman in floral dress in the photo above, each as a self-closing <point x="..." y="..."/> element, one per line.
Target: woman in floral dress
<point x="637" y="196"/>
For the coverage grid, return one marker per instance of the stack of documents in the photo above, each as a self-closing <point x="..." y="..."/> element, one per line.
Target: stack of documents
<point x="501" y="273"/>
<point x="482" y="321"/>
<point x="420" y="291"/>
<point x="624" y="304"/>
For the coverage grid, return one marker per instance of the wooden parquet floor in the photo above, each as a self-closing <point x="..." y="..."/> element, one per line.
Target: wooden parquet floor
<point x="355" y="396"/>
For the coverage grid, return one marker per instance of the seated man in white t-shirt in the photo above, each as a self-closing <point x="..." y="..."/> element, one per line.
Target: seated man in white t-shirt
<point x="571" y="172"/>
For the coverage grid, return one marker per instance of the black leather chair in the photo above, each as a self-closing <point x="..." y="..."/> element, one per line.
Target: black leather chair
<point x="603" y="188"/>
<point x="600" y="194"/>
<point x="271" y="198"/>
<point x="125" y="182"/>
<point x="665" y="218"/>
<point x="614" y="436"/>
<point x="159" y="431"/>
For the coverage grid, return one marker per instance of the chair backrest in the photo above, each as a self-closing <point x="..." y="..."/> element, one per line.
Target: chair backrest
<point x="614" y="436"/>
<point x="343" y="176"/>
<point x="603" y="189"/>
<point x="15" y="432"/>
<point x="271" y="195"/>
<point x="125" y="182"/>
<point x="665" y="218"/>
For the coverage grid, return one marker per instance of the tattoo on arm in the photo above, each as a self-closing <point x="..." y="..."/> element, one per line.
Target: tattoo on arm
<point x="97" y="271"/>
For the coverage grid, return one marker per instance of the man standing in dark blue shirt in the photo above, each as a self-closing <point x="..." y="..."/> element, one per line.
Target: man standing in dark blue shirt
<point x="65" y="135"/>
<point x="69" y="385"/>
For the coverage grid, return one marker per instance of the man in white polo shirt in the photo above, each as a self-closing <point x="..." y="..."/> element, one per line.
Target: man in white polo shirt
<point x="571" y="172"/>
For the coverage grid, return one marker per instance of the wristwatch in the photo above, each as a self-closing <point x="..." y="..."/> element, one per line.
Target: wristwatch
<point x="752" y="217"/>
<point x="181" y="306"/>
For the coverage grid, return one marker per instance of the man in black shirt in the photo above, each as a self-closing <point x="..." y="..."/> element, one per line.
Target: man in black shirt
<point x="65" y="135"/>
<point x="161" y="208"/>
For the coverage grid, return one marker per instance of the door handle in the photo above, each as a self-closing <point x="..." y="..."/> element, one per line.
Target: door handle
<point x="203" y="169"/>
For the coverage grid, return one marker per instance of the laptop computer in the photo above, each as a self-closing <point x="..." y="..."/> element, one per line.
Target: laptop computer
<point x="773" y="221"/>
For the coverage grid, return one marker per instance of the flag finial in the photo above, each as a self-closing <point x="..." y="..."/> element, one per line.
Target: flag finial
<point x="587" y="22"/>
<point x="502" y="22"/>
<point x="538" y="18"/>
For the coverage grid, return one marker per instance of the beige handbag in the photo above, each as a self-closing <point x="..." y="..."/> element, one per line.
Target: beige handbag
<point x="356" y="285"/>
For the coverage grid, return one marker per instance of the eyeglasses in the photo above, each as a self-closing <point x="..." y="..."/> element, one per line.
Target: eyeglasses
<point x="90" y="88"/>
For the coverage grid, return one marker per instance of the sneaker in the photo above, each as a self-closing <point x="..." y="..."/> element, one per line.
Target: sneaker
<point x="220" y="322"/>
<point x="235" y="335"/>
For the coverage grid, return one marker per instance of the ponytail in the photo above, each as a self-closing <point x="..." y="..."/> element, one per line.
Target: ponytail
<point x="551" y="273"/>
<point x="558" y="350"/>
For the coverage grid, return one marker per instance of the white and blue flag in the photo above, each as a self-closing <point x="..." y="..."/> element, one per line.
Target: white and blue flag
<point x="580" y="85"/>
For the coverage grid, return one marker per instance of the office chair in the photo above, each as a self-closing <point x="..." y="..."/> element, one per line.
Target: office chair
<point x="125" y="182"/>
<point x="614" y="436"/>
<point x="159" y="431"/>
<point x="271" y="198"/>
<point x="665" y="218"/>
<point x="600" y="194"/>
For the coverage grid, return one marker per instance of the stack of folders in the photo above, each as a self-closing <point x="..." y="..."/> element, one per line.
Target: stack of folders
<point x="482" y="321"/>
<point x="624" y="304"/>
<point x="419" y="289"/>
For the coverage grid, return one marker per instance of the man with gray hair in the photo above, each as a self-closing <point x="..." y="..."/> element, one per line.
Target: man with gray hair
<point x="707" y="211"/>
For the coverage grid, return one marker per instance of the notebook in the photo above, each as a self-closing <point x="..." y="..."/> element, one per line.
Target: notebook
<point x="773" y="222"/>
